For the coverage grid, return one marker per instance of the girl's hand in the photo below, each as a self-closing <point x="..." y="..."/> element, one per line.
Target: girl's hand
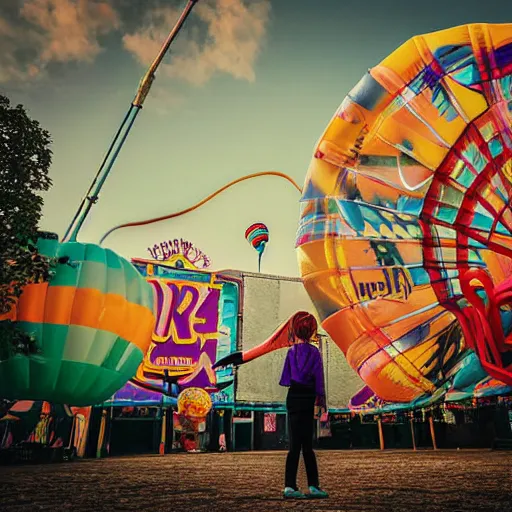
<point x="319" y="411"/>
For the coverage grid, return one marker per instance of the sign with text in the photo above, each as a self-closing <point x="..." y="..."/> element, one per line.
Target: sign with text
<point x="196" y="324"/>
<point x="186" y="331"/>
<point x="173" y="248"/>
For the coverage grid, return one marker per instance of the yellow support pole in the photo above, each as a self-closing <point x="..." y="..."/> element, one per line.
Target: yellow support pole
<point x="411" y="421"/>
<point x="163" y="435"/>
<point x="381" y="433"/>
<point x="432" y="432"/>
<point x="101" y="436"/>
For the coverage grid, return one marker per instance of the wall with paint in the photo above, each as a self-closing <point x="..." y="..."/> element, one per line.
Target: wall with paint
<point x="269" y="301"/>
<point x="197" y="322"/>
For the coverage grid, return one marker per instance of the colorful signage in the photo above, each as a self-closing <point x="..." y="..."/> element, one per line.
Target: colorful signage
<point x="178" y="250"/>
<point x="197" y="319"/>
<point x="186" y="332"/>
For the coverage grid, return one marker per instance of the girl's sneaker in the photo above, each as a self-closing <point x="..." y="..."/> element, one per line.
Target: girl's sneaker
<point x="291" y="493"/>
<point x="316" y="493"/>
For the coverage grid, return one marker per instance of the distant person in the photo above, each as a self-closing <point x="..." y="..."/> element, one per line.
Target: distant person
<point x="303" y="374"/>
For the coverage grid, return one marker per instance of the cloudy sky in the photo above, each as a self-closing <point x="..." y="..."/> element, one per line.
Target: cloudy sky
<point x="249" y="86"/>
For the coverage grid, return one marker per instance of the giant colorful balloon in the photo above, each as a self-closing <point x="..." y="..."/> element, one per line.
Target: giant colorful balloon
<point x="257" y="235"/>
<point x="194" y="403"/>
<point x="405" y="237"/>
<point x="92" y="324"/>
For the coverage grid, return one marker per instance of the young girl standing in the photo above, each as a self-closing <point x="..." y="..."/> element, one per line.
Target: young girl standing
<point x="304" y="376"/>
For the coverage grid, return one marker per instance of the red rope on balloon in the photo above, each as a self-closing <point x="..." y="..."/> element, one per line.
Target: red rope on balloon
<point x="202" y="202"/>
<point x="481" y="323"/>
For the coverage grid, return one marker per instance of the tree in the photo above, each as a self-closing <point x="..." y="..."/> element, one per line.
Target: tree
<point x="25" y="159"/>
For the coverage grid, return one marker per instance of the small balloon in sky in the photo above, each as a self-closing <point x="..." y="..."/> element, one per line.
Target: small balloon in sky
<point x="257" y="235"/>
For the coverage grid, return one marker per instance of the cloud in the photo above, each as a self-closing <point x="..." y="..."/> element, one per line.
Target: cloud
<point x="40" y="32"/>
<point x="230" y="40"/>
<point x="9" y="68"/>
<point x="70" y="29"/>
<point x="221" y="36"/>
<point x="145" y="43"/>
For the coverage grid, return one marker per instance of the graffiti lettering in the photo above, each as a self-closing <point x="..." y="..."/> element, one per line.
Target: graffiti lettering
<point x="187" y="312"/>
<point x="174" y="361"/>
<point x="167" y="249"/>
<point x="396" y="285"/>
<point x="187" y="329"/>
<point x="195" y="326"/>
<point x="183" y="304"/>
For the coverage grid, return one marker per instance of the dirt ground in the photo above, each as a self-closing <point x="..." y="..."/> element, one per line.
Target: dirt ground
<point x="370" y="481"/>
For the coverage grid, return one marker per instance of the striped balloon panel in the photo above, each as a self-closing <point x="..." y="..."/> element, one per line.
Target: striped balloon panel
<point x="92" y="323"/>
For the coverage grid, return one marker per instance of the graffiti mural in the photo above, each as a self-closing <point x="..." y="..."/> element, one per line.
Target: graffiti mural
<point x="186" y="333"/>
<point x="180" y="252"/>
<point x="197" y="315"/>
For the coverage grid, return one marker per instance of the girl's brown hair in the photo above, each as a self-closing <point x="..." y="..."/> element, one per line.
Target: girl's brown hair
<point x="303" y="326"/>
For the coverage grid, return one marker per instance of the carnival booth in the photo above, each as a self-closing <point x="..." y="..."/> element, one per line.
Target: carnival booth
<point x="37" y="431"/>
<point x="197" y="322"/>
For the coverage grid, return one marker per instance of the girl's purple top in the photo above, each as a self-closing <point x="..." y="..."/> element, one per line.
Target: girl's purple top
<point x="304" y="365"/>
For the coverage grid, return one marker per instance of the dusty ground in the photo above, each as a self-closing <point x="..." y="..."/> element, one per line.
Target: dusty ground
<point x="357" y="480"/>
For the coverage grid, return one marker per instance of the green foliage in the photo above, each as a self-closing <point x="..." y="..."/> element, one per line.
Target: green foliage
<point x="15" y="341"/>
<point x="25" y="159"/>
